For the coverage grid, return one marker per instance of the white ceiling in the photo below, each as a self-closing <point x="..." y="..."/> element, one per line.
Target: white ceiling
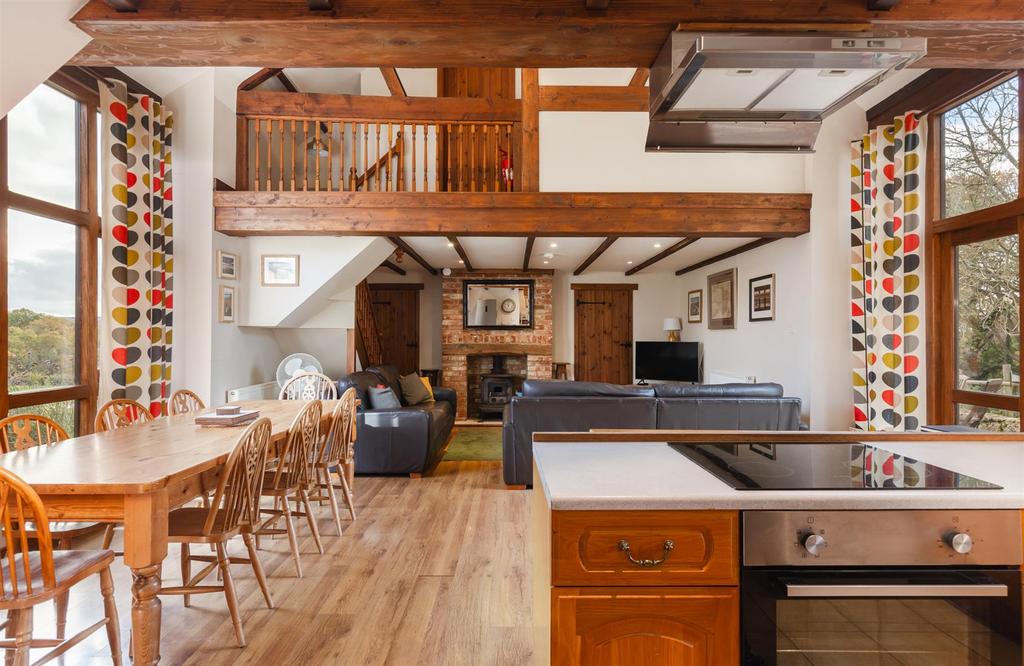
<point x="624" y="253"/>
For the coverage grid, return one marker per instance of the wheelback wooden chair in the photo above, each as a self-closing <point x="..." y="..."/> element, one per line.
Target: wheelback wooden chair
<point x="113" y="415"/>
<point x="292" y="478"/>
<point x="234" y="511"/>
<point x="335" y="454"/>
<point x="29" y="578"/>
<point x="184" y="401"/>
<point x="309" y="386"/>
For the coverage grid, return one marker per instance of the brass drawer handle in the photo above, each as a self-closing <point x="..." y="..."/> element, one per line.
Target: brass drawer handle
<point x="669" y="546"/>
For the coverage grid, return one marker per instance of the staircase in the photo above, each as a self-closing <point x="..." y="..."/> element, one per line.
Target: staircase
<point x="368" y="343"/>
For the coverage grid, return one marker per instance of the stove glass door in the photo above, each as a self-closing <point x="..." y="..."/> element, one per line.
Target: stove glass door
<point x="937" y="617"/>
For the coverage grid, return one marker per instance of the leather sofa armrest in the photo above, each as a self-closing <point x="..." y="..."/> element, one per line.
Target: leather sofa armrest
<point x="448" y="395"/>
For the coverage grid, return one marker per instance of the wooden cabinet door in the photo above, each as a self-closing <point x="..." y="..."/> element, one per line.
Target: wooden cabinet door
<point x="685" y="626"/>
<point x="603" y="326"/>
<point x="396" y="308"/>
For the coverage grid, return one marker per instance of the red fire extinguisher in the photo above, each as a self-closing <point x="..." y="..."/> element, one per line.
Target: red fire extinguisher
<point x="506" y="169"/>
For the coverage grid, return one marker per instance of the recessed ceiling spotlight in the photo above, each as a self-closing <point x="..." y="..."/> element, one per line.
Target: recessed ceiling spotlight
<point x="629" y="262"/>
<point x="461" y="261"/>
<point x="547" y="262"/>
<point x="451" y="244"/>
<point x="657" y="245"/>
<point x="549" y="255"/>
<point x="554" y="245"/>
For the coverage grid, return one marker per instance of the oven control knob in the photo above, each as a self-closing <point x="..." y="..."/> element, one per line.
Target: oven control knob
<point x="815" y="544"/>
<point x="961" y="542"/>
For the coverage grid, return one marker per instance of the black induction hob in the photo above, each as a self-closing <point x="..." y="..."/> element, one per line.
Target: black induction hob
<point x="823" y="467"/>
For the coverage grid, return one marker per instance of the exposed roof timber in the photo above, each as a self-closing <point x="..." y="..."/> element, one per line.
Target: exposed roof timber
<point x="726" y="255"/>
<point x="528" y="252"/>
<point x="394" y="267"/>
<point x="393" y="81"/>
<point x="882" y="5"/>
<point x="286" y="82"/>
<point x="605" y="244"/>
<point x="639" y="79"/>
<point x="259" y="78"/>
<point x="461" y="251"/>
<point x="933" y="90"/>
<point x="89" y="76"/>
<point x="405" y="247"/>
<point x="124" y="5"/>
<point x="579" y="214"/>
<point x="531" y="33"/>
<point x="667" y="252"/>
<point x="594" y="98"/>
<point x="320" y="5"/>
<point x="370" y="108"/>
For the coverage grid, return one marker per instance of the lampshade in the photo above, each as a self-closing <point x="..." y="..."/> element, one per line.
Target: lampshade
<point x="673" y="324"/>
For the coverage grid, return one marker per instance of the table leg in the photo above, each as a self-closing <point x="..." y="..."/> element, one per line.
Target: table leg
<point x="145" y="547"/>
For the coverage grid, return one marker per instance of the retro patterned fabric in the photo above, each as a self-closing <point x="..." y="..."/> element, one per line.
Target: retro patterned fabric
<point x="137" y="284"/>
<point x="886" y="217"/>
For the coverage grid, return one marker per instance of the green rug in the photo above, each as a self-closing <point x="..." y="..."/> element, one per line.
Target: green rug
<point x="475" y="444"/>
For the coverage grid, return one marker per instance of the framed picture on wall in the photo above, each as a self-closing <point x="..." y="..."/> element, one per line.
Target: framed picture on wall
<point x="722" y="300"/>
<point x="226" y="304"/>
<point x="695" y="306"/>
<point x="762" y="298"/>
<point x="227" y="265"/>
<point x="279" y="270"/>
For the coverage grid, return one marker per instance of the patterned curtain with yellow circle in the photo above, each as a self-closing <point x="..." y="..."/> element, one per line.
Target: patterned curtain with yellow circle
<point x="137" y="254"/>
<point x="886" y="218"/>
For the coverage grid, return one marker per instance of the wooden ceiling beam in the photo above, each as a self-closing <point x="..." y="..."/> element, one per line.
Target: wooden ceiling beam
<point x="579" y="214"/>
<point x="726" y="255"/>
<point x="286" y="82"/>
<point x="405" y="247"/>
<point x="461" y="251"/>
<point x="882" y="5"/>
<point x="594" y="98"/>
<point x="605" y="244"/>
<point x="933" y="90"/>
<point x="393" y="81"/>
<point x="639" y="79"/>
<point x="528" y="252"/>
<point x="530" y="33"/>
<point x="320" y="5"/>
<point x="393" y="267"/>
<point x="593" y="5"/>
<point x="370" y="108"/>
<point x="667" y="252"/>
<point x="259" y="78"/>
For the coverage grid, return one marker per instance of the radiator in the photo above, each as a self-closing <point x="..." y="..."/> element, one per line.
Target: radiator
<point x="264" y="391"/>
<point x="717" y="377"/>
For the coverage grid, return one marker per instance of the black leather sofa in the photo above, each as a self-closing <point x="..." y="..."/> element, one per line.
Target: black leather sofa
<point x="408" y="440"/>
<point x="567" y="406"/>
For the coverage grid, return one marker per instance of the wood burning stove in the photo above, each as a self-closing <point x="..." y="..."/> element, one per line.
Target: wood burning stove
<point x="497" y="388"/>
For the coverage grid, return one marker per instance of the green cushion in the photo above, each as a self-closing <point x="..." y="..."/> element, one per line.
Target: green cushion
<point x="413" y="390"/>
<point x="383" y="398"/>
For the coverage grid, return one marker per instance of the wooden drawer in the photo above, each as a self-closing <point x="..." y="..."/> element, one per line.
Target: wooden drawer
<point x="586" y="547"/>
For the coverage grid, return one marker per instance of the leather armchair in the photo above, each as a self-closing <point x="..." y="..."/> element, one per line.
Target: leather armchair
<point x="408" y="440"/>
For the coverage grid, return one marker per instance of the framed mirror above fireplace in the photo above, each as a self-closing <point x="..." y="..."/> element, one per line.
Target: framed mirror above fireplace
<point x="497" y="304"/>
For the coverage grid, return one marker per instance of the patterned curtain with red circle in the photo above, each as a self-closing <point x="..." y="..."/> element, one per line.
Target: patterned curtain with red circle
<point x="886" y="218"/>
<point x="137" y="253"/>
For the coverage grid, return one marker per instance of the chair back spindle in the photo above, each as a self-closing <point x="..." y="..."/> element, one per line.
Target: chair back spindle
<point x="297" y="458"/>
<point x="309" y="386"/>
<point x="342" y="426"/>
<point x="238" y="494"/>
<point x="19" y="505"/>
<point x="121" y="413"/>
<point x="184" y="401"/>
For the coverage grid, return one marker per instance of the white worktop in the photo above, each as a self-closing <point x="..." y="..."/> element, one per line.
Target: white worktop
<point x="646" y="475"/>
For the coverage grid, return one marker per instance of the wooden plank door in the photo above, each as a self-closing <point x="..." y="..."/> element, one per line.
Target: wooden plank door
<point x="396" y="307"/>
<point x="604" y="332"/>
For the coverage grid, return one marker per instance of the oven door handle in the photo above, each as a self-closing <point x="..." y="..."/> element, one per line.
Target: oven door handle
<point x="805" y="591"/>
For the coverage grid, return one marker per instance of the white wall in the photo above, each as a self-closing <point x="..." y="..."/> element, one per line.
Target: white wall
<point x="36" y="39"/>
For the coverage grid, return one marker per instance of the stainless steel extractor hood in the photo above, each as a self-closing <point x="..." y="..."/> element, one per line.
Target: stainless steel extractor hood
<point x="762" y="93"/>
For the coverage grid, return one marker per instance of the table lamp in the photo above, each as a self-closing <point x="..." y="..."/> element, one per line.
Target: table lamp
<point x="672" y="326"/>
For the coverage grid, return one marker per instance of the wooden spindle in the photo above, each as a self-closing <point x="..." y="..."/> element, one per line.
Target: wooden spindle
<point x="366" y="153"/>
<point x="330" y="155"/>
<point x="376" y="167"/>
<point x="448" y="154"/>
<point x="270" y="159"/>
<point x="426" y="132"/>
<point x="401" y="159"/>
<point x="316" y="155"/>
<point x="462" y="176"/>
<point x="437" y="157"/>
<point x="486" y="184"/>
<point x="511" y="158"/>
<point x="280" y="155"/>
<point x="497" y="158"/>
<point x="414" y="157"/>
<point x="390" y="155"/>
<point x="294" y="139"/>
<point x="256" y="174"/>
<point x="352" y="168"/>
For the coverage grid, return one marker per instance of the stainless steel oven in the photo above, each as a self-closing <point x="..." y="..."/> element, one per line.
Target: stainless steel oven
<point x="937" y="588"/>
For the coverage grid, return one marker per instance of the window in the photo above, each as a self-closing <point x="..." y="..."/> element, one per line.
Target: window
<point x="49" y="227"/>
<point x="974" y="260"/>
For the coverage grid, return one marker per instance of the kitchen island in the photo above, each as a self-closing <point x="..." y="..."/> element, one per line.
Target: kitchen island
<point x="640" y="557"/>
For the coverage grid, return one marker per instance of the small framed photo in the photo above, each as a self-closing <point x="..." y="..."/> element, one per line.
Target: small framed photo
<point x="227" y="265"/>
<point x="695" y="306"/>
<point x="279" y="270"/>
<point x="762" y="298"/>
<point x="722" y="300"/>
<point x="226" y="304"/>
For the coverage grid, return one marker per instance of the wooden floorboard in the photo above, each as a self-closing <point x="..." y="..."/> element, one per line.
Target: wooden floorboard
<point x="433" y="571"/>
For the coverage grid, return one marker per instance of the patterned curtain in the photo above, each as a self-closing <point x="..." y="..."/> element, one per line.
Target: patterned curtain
<point x="135" y="163"/>
<point x="885" y="222"/>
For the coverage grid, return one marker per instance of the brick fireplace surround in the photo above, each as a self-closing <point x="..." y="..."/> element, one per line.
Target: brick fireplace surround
<point x="458" y="343"/>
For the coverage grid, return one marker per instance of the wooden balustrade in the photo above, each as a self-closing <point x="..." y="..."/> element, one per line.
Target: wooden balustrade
<point x="368" y="342"/>
<point x="288" y="153"/>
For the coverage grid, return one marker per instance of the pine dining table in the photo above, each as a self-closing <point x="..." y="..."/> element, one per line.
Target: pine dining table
<point x="135" y="475"/>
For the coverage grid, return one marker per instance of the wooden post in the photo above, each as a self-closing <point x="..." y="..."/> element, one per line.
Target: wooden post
<point x="241" y="153"/>
<point x="528" y="161"/>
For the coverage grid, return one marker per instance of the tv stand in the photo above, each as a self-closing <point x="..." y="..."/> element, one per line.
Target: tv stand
<point x="642" y="382"/>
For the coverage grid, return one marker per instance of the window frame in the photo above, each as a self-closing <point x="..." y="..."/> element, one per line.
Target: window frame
<point x="943" y="235"/>
<point x="86" y="218"/>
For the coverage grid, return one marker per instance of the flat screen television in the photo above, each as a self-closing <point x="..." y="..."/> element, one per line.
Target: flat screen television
<point x="669" y="361"/>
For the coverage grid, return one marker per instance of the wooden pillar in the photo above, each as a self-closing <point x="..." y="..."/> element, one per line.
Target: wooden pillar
<point x="527" y="162"/>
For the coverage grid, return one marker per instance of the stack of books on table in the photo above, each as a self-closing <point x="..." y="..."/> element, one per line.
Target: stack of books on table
<point x="230" y="415"/>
